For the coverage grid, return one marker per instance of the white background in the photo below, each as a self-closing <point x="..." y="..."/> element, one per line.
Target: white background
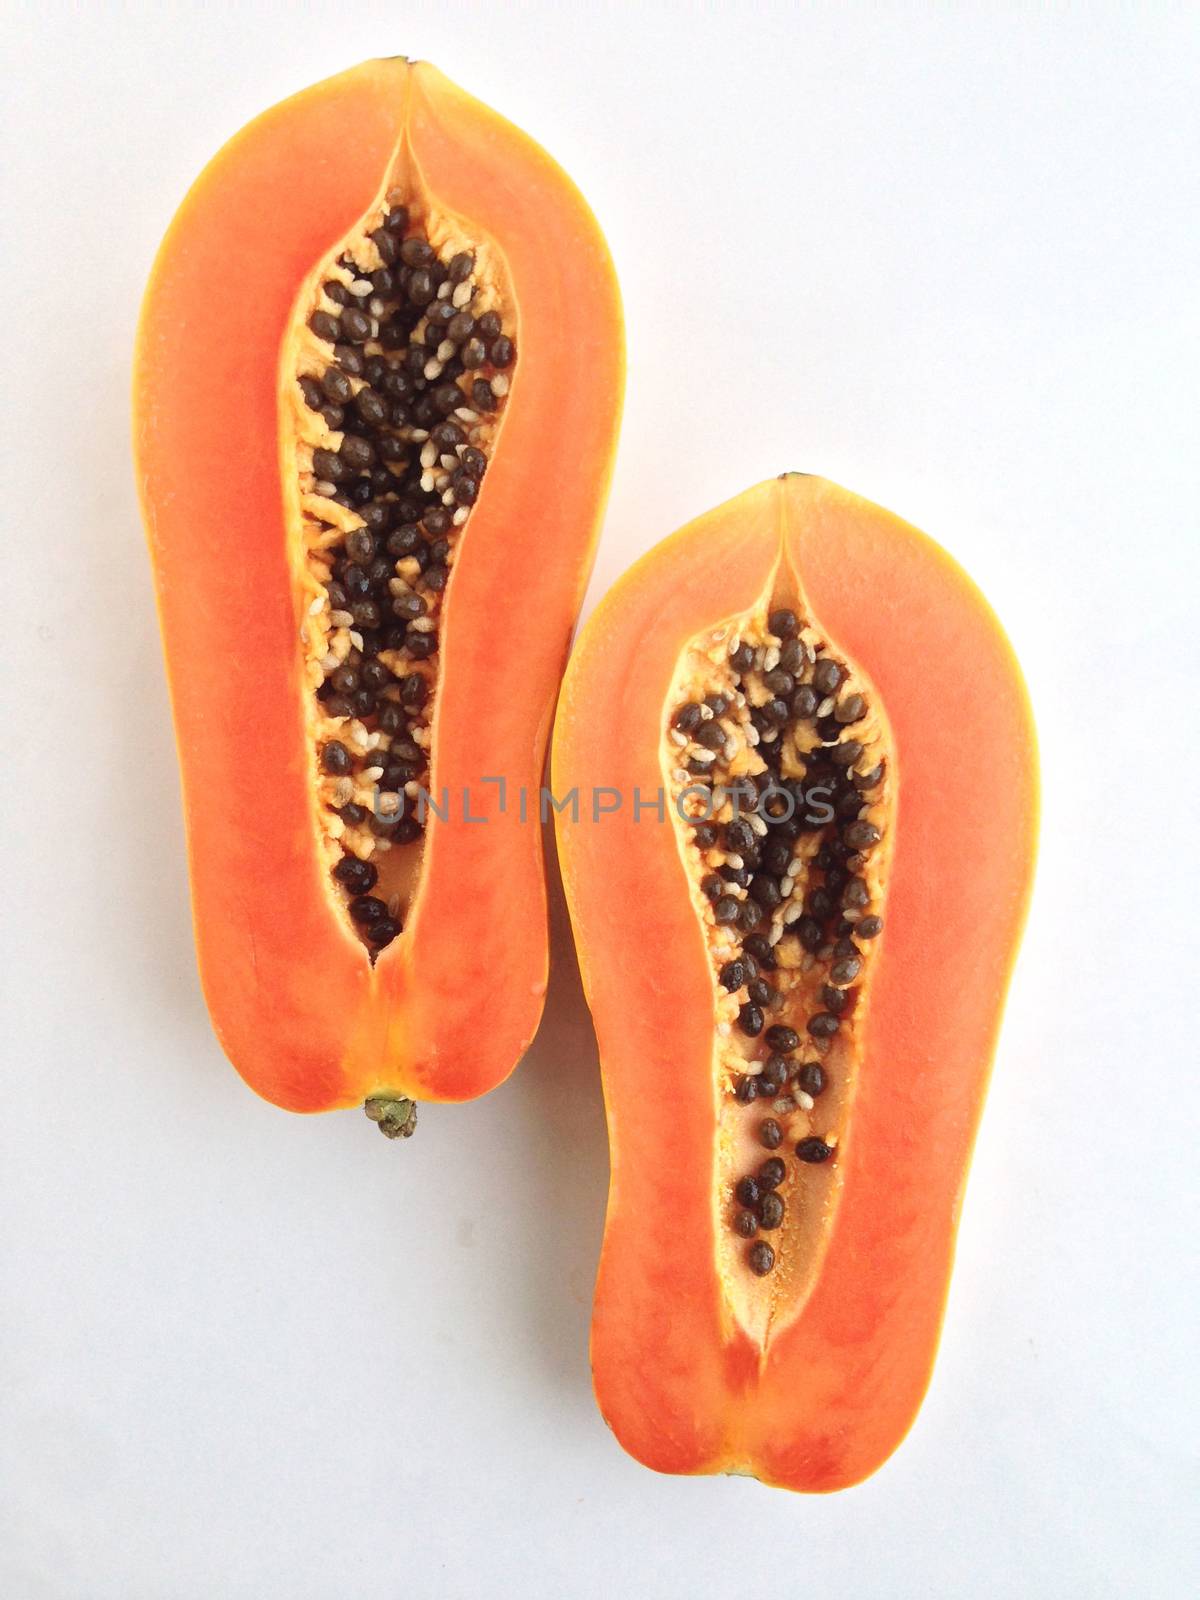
<point x="944" y="255"/>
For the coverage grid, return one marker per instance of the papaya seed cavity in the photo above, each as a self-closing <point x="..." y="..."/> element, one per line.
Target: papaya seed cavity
<point x="404" y="357"/>
<point x="778" y="766"/>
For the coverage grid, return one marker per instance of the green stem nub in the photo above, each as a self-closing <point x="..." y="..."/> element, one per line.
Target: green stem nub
<point x="397" y="1118"/>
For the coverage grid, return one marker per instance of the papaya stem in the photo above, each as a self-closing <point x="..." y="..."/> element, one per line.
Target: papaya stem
<point x="396" y="1116"/>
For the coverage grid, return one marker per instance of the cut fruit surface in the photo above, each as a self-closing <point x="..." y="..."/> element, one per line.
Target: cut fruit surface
<point x="378" y="382"/>
<point x="795" y="931"/>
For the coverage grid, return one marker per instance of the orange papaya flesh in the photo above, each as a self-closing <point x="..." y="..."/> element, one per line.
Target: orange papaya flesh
<point x="377" y="317"/>
<point x="796" y="974"/>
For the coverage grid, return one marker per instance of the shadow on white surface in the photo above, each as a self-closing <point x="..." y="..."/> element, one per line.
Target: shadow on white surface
<point x="560" y="1122"/>
<point x="142" y="865"/>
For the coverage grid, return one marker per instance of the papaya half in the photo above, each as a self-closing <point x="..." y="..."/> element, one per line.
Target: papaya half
<point x="795" y="777"/>
<point x="378" y="380"/>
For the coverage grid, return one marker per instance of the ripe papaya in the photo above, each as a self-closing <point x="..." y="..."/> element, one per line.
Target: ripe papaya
<point x="796" y="931"/>
<point x="378" y="380"/>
